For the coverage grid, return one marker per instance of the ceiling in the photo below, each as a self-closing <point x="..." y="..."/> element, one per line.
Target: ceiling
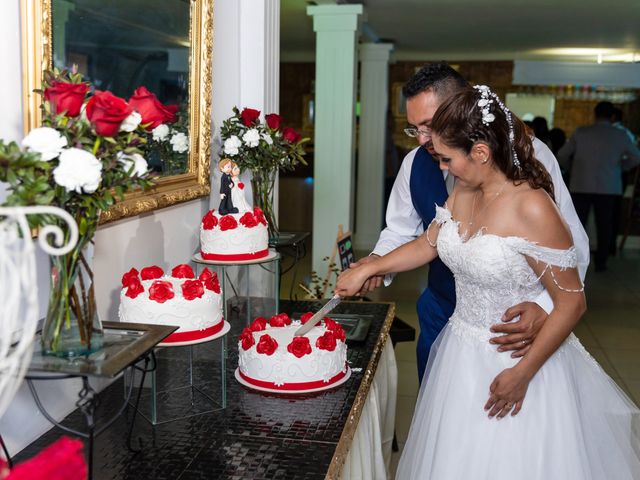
<point x="483" y="29"/>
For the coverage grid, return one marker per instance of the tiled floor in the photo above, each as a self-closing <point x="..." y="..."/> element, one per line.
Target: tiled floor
<point x="610" y="330"/>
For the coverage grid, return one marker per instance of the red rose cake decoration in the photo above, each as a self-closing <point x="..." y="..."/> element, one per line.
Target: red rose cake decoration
<point x="194" y="304"/>
<point x="271" y="357"/>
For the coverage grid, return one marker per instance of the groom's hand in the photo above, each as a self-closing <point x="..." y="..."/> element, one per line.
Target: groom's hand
<point x="373" y="282"/>
<point x="517" y="336"/>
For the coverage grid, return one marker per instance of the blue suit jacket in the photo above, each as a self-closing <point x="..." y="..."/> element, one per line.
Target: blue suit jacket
<point x="437" y="302"/>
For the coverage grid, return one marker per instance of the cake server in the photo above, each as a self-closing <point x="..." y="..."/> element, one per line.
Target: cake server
<point x="319" y="315"/>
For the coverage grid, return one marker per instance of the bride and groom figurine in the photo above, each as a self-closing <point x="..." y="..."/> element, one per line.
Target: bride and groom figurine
<point x="232" y="198"/>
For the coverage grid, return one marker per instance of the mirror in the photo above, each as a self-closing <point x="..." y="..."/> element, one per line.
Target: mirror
<point x="119" y="46"/>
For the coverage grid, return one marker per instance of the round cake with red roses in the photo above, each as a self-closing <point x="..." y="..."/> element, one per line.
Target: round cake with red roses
<point x="234" y="237"/>
<point x="193" y="304"/>
<point x="271" y="358"/>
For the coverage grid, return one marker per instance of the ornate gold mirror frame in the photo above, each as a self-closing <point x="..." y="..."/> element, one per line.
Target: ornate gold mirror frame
<point x="37" y="56"/>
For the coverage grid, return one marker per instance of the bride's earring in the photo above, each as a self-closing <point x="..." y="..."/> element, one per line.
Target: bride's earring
<point x="485" y="160"/>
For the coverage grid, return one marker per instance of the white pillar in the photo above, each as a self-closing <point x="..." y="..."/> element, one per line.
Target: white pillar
<point x="246" y="67"/>
<point x="374" y="101"/>
<point x="336" y="28"/>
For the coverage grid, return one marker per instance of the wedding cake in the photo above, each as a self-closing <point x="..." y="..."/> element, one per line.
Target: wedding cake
<point x="234" y="236"/>
<point x="272" y="358"/>
<point x="193" y="304"/>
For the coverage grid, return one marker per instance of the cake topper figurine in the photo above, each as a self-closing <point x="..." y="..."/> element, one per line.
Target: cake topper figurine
<point x="226" y="184"/>
<point x="237" y="193"/>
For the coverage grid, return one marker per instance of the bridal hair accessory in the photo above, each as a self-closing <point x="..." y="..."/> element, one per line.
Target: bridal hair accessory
<point x="487" y="97"/>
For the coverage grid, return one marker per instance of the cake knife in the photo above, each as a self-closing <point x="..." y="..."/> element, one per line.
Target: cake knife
<point x="319" y="315"/>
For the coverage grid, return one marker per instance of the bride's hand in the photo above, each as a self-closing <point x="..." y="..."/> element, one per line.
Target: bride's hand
<point x="507" y="392"/>
<point x="350" y="281"/>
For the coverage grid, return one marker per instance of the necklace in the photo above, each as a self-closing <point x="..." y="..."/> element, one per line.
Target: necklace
<point x="473" y="206"/>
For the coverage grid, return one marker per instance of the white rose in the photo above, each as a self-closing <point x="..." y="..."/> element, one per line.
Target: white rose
<point x="78" y="171"/>
<point x="48" y="142"/>
<point x="251" y="138"/>
<point x="160" y="133"/>
<point x="267" y="138"/>
<point x="136" y="160"/>
<point x="130" y="123"/>
<point x="231" y="145"/>
<point x="179" y="142"/>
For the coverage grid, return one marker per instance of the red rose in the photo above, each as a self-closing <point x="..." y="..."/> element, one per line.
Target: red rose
<point x="183" y="271"/>
<point x="192" y="289"/>
<point x="241" y="185"/>
<point x="248" y="220"/>
<point x="66" y="97"/>
<point x="209" y="221"/>
<point x="135" y="288"/>
<point x="161" y="291"/>
<point x="62" y="460"/>
<point x="273" y="121"/>
<point x="127" y="277"/>
<point x="299" y="346"/>
<point x="228" y="223"/>
<point x="258" y="324"/>
<point x="266" y="345"/>
<point x="151" y="273"/>
<point x="280" y="320"/>
<point x="335" y="328"/>
<point x="106" y="112"/>
<point x="290" y="135"/>
<point x="259" y="216"/>
<point x="152" y="111"/>
<point x="246" y="338"/>
<point x="305" y="317"/>
<point x="326" y="341"/>
<point x="249" y="115"/>
<point x="205" y="275"/>
<point x="212" y="283"/>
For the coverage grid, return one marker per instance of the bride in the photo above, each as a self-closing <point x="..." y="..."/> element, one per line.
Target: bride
<point x="553" y="414"/>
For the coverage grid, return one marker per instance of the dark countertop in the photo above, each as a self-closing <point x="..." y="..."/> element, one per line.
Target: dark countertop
<point x="258" y="436"/>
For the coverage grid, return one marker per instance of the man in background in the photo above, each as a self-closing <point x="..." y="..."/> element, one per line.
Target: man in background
<point x="596" y="156"/>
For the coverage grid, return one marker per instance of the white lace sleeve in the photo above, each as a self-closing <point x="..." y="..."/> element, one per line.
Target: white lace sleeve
<point x="442" y="215"/>
<point x="551" y="257"/>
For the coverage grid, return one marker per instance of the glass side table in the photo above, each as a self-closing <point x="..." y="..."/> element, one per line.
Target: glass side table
<point x="251" y="288"/>
<point x="124" y="345"/>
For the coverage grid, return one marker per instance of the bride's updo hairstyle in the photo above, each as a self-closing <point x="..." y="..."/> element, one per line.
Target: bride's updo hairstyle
<point x="477" y="115"/>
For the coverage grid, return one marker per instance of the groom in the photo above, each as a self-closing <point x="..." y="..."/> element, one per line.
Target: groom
<point x="420" y="185"/>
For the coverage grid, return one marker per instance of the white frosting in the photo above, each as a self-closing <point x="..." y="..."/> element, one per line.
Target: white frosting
<point x="240" y="240"/>
<point x="284" y="367"/>
<point x="190" y="315"/>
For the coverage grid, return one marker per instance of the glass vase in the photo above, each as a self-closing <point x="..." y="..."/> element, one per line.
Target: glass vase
<point x="72" y="327"/>
<point x="262" y="186"/>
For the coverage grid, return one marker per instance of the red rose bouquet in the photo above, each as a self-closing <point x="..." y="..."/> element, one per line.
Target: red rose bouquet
<point x="263" y="148"/>
<point x="86" y="155"/>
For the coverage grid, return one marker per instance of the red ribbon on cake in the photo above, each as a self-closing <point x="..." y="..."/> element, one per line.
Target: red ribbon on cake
<point x="194" y="334"/>
<point x="234" y="257"/>
<point x="292" y="386"/>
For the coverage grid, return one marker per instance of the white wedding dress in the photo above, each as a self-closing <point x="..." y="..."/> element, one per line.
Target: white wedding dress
<point x="237" y="197"/>
<point x="575" y="423"/>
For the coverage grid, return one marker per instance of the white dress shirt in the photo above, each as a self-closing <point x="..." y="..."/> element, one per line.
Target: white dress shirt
<point x="404" y="224"/>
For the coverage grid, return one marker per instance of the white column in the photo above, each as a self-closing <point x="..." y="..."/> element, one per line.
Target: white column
<point x="374" y="100"/>
<point x="336" y="28"/>
<point x="246" y="66"/>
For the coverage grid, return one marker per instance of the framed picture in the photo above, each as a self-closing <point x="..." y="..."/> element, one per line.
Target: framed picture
<point x="398" y="103"/>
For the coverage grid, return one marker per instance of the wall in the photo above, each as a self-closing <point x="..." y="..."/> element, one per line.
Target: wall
<point x="165" y="237"/>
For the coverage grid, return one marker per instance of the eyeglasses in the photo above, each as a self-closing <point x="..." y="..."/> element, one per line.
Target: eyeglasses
<point x="416" y="132"/>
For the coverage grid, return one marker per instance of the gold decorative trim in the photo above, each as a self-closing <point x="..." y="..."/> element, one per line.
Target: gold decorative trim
<point x="37" y="55"/>
<point x="346" y="439"/>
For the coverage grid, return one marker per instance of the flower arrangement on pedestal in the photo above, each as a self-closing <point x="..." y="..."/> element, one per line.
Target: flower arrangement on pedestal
<point x="263" y="148"/>
<point x="87" y="154"/>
